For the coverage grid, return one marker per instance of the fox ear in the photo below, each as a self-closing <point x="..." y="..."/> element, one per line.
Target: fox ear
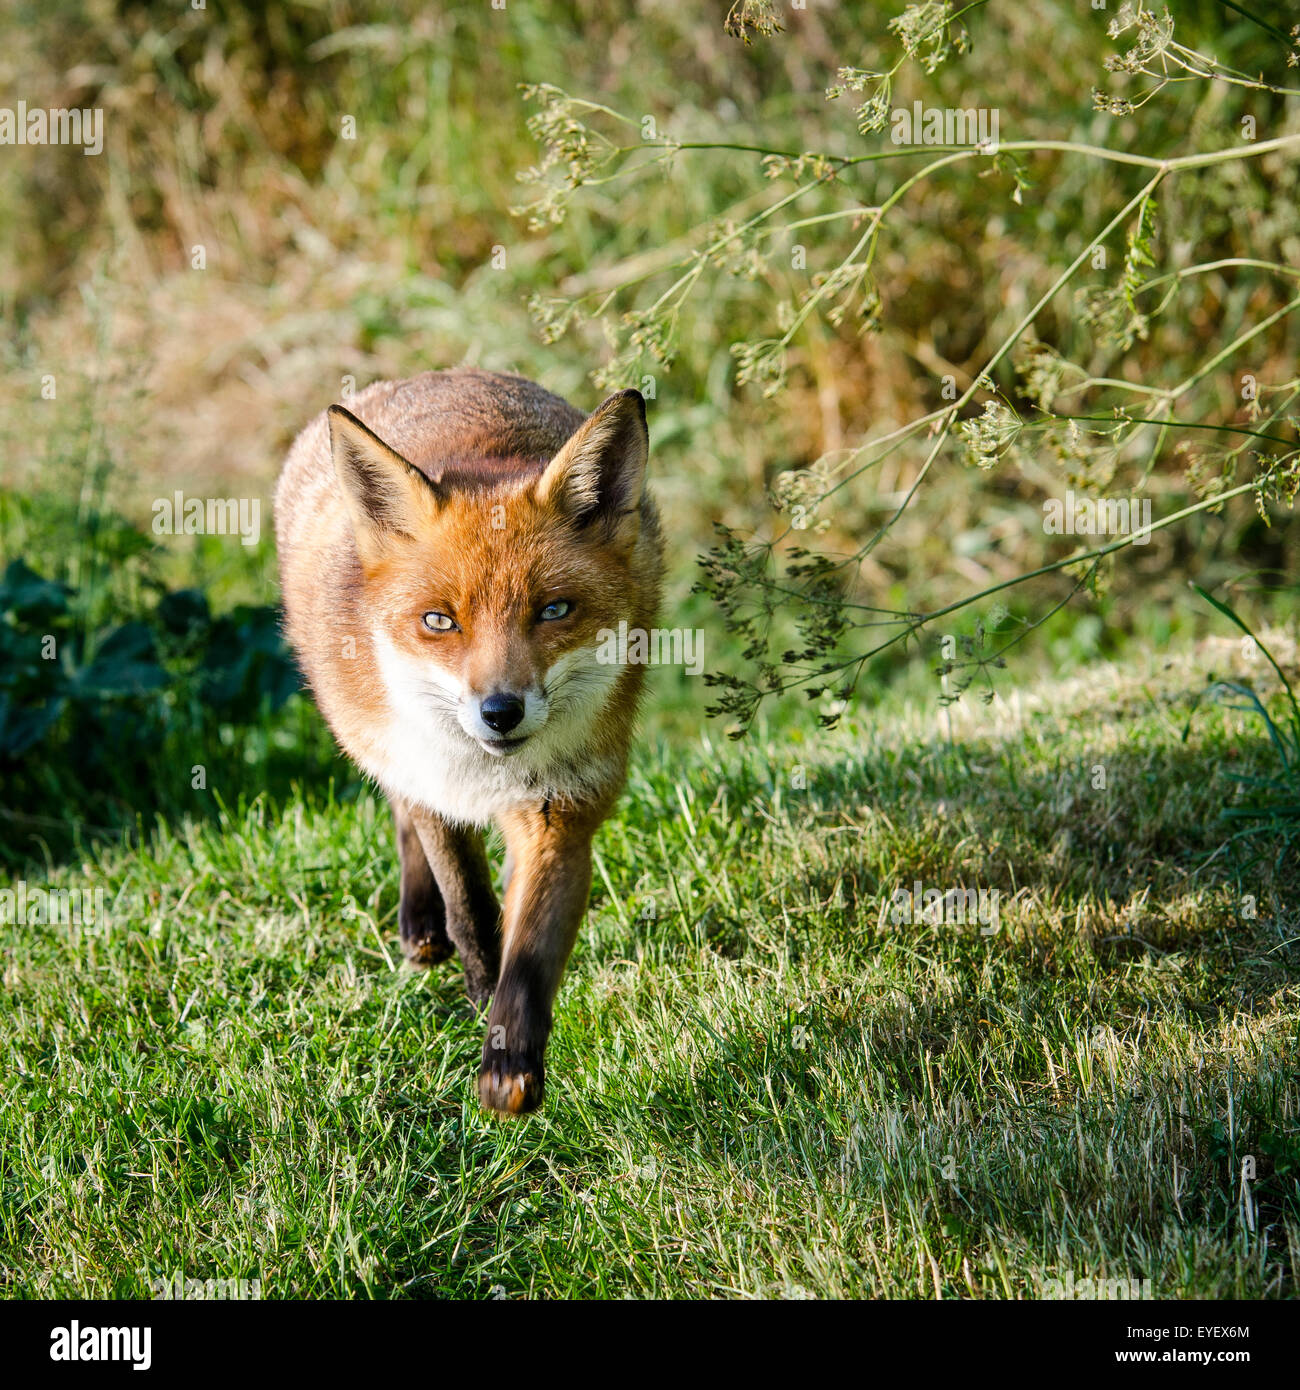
<point x="600" y="472"/>
<point x="386" y="495"/>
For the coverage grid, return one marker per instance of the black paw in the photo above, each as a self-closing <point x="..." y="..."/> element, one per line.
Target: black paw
<point x="424" y="937"/>
<point x="512" y="1085"/>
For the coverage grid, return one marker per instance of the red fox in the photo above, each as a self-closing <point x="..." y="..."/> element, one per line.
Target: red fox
<point x="450" y="548"/>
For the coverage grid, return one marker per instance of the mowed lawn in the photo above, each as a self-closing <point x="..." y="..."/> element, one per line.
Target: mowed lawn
<point x="759" y="1084"/>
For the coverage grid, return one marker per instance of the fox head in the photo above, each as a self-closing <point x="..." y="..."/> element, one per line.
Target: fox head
<point x="486" y="584"/>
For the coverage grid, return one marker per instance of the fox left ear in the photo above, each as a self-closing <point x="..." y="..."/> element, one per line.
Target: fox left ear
<point x="385" y="494"/>
<point x="599" y="475"/>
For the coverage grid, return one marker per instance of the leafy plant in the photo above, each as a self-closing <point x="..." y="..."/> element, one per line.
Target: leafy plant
<point x="1271" y="810"/>
<point x="1078" y="372"/>
<point x="102" y="717"/>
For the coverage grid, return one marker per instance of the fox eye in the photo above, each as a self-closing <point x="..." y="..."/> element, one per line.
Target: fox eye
<point x="439" y="622"/>
<point x="561" y="608"/>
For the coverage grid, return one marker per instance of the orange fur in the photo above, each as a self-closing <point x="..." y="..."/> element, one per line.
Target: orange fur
<point x="481" y="499"/>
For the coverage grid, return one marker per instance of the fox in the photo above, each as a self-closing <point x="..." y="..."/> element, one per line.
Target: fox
<point x="451" y="547"/>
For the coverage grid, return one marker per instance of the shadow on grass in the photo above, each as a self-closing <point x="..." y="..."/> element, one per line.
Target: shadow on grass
<point x="119" y="776"/>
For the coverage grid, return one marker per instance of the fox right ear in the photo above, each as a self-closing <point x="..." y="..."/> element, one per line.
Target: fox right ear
<point x="386" y="495"/>
<point x="600" y="471"/>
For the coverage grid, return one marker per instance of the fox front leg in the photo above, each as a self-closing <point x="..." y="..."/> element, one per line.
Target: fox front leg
<point x="472" y="916"/>
<point x="550" y="878"/>
<point x="420" y="913"/>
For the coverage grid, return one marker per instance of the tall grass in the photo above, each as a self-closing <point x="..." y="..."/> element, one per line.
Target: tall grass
<point x="330" y="260"/>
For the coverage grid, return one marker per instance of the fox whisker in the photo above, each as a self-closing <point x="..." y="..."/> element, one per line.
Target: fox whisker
<point x="439" y="698"/>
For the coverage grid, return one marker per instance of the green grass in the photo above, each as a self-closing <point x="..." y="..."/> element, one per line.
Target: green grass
<point x="759" y="1084"/>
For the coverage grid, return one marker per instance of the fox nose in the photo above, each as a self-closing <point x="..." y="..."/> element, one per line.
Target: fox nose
<point x="502" y="712"/>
